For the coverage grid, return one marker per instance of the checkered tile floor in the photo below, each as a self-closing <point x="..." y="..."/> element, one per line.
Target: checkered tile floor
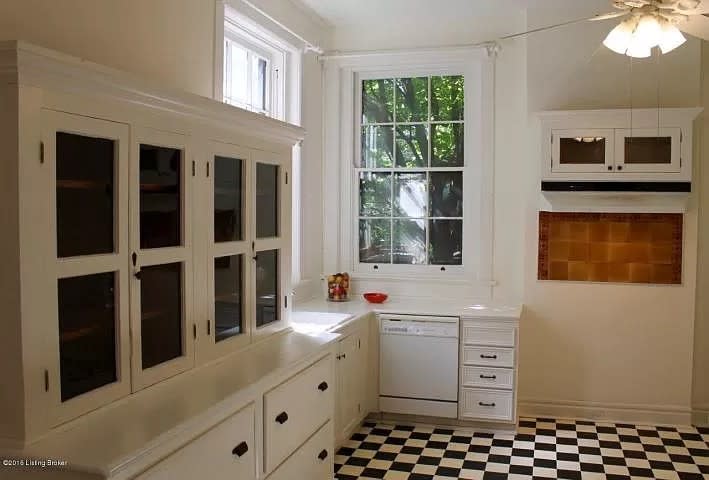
<point x="542" y="448"/>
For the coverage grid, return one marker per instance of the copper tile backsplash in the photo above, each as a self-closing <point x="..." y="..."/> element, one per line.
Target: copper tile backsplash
<point x="610" y="247"/>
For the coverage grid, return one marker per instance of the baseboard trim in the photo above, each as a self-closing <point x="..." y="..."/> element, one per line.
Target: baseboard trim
<point x="700" y="415"/>
<point x="610" y="412"/>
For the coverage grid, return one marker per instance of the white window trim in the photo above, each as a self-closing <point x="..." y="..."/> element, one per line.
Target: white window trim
<point x="342" y="140"/>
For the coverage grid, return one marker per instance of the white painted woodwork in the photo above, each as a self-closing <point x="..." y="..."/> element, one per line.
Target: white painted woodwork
<point x="211" y="455"/>
<point x="305" y="402"/>
<point x="502" y="336"/>
<point x="614" y="126"/>
<point x="481" y="404"/>
<point x="308" y="462"/>
<point x="488" y="356"/>
<point x="488" y="377"/>
<point x="350" y="368"/>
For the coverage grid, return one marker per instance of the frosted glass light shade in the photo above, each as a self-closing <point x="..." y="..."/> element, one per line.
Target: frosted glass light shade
<point x="671" y="38"/>
<point x="648" y="31"/>
<point x="620" y="37"/>
<point x="638" y="49"/>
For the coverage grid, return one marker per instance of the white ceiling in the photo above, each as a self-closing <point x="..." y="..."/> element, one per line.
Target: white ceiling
<point x="432" y="12"/>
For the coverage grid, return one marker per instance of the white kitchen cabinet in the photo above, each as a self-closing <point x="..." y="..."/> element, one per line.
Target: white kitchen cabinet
<point x="313" y="461"/>
<point x="110" y="187"/>
<point x="648" y="150"/>
<point x="226" y="452"/>
<point x="351" y="368"/>
<point x="582" y="150"/>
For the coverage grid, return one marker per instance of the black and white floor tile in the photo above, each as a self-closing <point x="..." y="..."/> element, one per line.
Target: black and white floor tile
<point x="542" y="448"/>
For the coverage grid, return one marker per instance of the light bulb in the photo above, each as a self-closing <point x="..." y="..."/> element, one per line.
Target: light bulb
<point x="670" y="38"/>
<point x="638" y="48"/>
<point x="648" y="32"/>
<point x="619" y="38"/>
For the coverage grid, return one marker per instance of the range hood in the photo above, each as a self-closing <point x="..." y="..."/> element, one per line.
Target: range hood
<point x="616" y="197"/>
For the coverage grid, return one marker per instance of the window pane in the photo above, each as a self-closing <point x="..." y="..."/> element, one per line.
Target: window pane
<point x="267" y="288"/>
<point x="378" y="101"/>
<point x="447" y="94"/>
<point x="236" y="71"/>
<point x="161" y="313"/>
<point x="266" y="200"/>
<point x="227" y="199"/>
<point x="377" y="147"/>
<point x="87" y="333"/>
<point x="85" y="195"/>
<point x="447" y="142"/>
<point x="410" y="195"/>
<point x="374" y="194"/>
<point x="446" y="192"/>
<point x="409" y="242"/>
<point x="446" y="242"/>
<point x="260" y="82"/>
<point x="375" y="241"/>
<point x="160" y="197"/>
<point x="411" y="146"/>
<point x="411" y="99"/>
<point x="228" y="311"/>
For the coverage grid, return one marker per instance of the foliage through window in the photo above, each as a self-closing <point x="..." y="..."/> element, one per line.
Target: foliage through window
<point x="411" y="171"/>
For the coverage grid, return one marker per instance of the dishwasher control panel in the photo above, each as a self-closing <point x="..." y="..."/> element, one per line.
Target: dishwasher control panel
<point x="420" y="326"/>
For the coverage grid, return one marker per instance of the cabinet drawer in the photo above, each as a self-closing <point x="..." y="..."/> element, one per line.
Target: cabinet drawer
<point x="487" y="377"/>
<point x="227" y="451"/>
<point x="294" y="410"/>
<point x="486" y="404"/>
<point x="489" y="356"/>
<point x="312" y="461"/>
<point x="499" y="336"/>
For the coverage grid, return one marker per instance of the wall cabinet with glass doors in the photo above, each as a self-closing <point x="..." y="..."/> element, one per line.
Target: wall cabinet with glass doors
<point x="139" y="241"/>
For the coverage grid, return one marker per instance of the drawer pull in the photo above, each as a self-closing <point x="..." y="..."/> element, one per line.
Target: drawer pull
<point x="240" y="449"/>
<point x="488" y="357"/>
<point x="483" y="404"/>
<point x="282" y="418"/>
<point x="322" y="455"/>
<point x="323" y="386"/>
<point x="488" y="377"/>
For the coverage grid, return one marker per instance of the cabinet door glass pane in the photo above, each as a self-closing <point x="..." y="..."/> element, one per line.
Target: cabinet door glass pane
<point x="648" y="150"/>
<point x="228" y="292"/>
<point x="161" y="313"/>
<point x="87" y="333"/>
<point x="582" y="151"/>
<point x="266" y="200"/>
<point x="227" y="199"/>
<point x="267" y="288"/>
<point x="160" y="197"/>
<point x="85" y="191"/>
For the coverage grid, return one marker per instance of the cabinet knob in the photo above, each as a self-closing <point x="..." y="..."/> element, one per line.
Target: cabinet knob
<point x="483" y="404"/>
<point x="610" y="167"/>
<point x="344" y="355"/>
<point x="490" y="357"/>
<point x="620" y="167"/>
<point x="282" y="418"/>
<point x="138" y="275"/>
<point x="322" y="455"/>
<point x="240" y="449"/>
<point x="323" y="386"/>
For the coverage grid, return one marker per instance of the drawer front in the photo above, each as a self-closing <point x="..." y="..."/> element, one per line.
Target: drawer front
<point x="488" y="377"/>
<point x="313" y="461"/>
<point x="486" y="404"/>
<point x="294" y="410"/>
<point x="489" y="356"/>
<point x="225" y="452"/>
<point x="497" y="336"/>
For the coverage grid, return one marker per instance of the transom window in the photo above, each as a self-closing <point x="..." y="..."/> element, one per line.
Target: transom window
<point x="410" y="173"/>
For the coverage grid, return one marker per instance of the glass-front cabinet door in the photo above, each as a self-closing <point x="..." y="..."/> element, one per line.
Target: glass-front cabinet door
<point x="161" y="258"/>
<point x="582" y="151"/>
<point x="271" y="246"/>
<point x="88" y="166"/>
<point x="224" y="321"/>
<point x="648" y="150"/>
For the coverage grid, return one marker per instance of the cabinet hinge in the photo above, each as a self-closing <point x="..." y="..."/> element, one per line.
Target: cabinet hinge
<point x="41" y="152"/>
<point x="194" y="330"/>
<point x="209" y="327"/>
<point x="286" y="178"/>
<point x="207" y="169"/>
<point x="285" y="301"/>
<point x="551" y="139"/>
<point x="359" y="343"/>
<point x="194" y="168"/>
<point x="46" y="380"/>
<point x="681" y="137"/>
<point x="253" y="246"/>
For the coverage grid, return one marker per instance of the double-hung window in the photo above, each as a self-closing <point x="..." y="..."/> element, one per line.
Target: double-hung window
<point x="411" y="173"/>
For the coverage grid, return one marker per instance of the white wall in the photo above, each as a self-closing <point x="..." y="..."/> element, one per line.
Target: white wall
<point x="172" y="42"/>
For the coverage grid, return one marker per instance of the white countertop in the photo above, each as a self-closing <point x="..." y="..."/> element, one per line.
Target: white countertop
<point x="320" y="315"/>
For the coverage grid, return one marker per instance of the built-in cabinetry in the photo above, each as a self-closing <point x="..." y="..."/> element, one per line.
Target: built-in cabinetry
<point x="351" y="370"/>
<point x="639" y="145"/>
<point x="151" y="235"/>
<point x="488" y="369"/>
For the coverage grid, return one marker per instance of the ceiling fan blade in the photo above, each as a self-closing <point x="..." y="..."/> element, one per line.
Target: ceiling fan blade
<point x="697" y="26"/>
<point x="563" y="24"/>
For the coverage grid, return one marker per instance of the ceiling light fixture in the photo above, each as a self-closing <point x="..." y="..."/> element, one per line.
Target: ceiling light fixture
<point x="638" y="35"/>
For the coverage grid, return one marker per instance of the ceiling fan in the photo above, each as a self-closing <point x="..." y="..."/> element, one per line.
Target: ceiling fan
<point x="649" y="24"/>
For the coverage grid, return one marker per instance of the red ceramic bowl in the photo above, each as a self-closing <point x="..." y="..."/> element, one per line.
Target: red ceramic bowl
<point x="375" y="297"/>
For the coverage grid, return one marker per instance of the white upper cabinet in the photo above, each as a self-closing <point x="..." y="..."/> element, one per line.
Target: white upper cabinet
<point x="639" y="145"/>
